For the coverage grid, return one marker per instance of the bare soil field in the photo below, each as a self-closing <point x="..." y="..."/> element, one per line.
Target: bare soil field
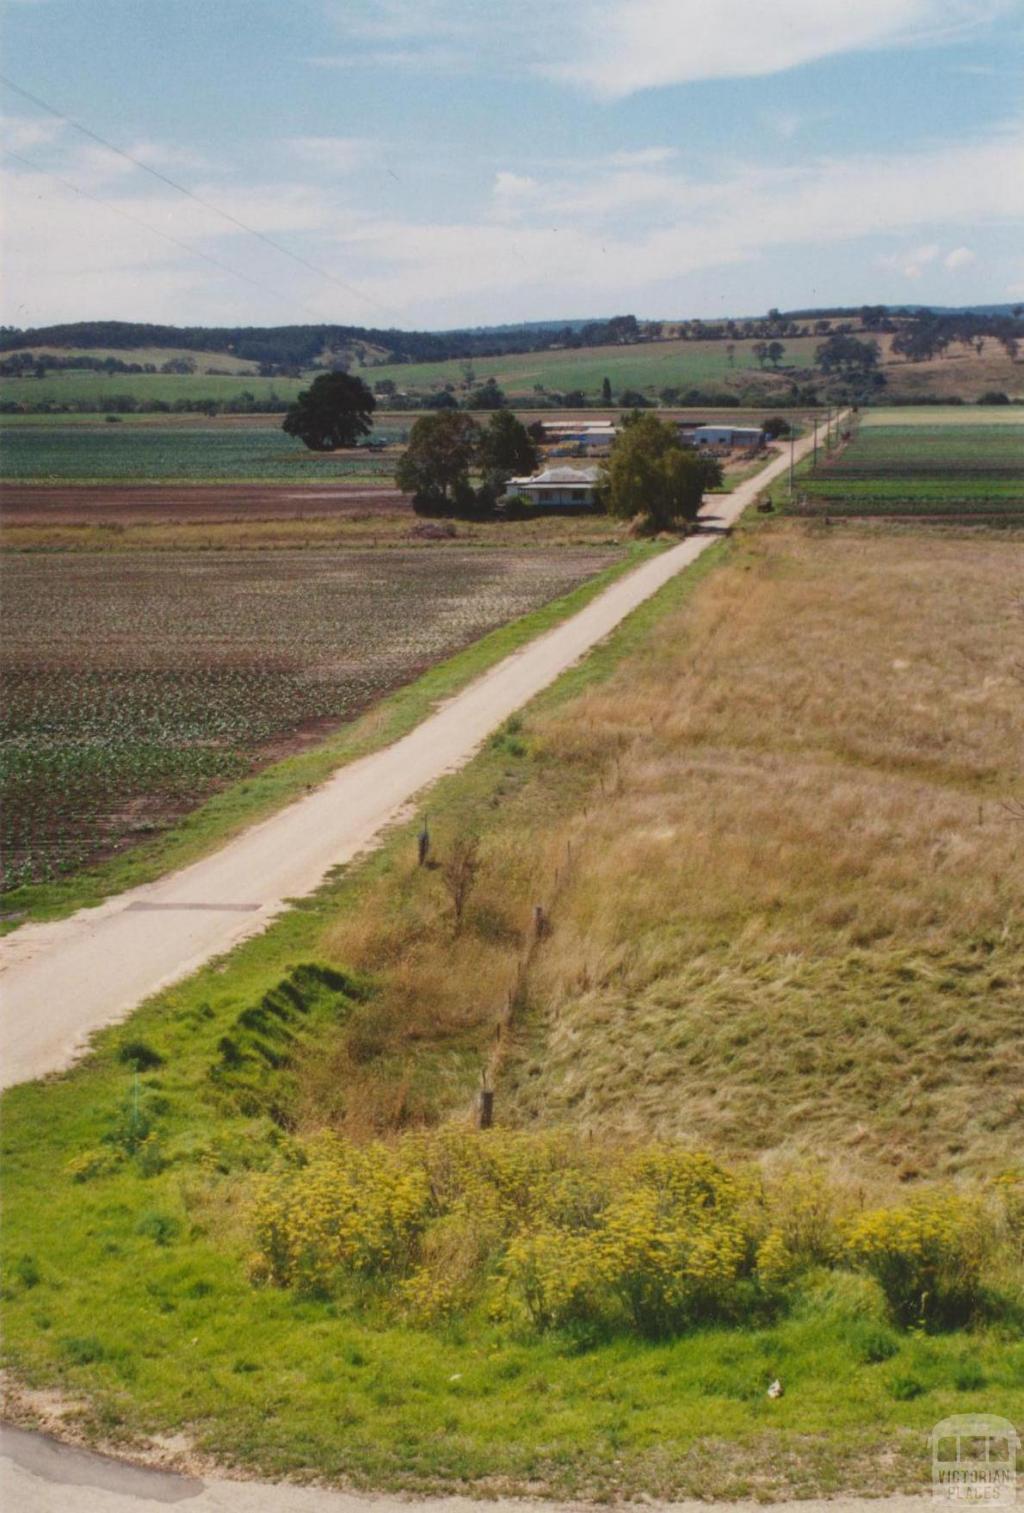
<point x="138" y="503"/>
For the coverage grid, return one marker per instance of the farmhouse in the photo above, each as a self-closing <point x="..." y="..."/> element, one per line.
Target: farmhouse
<point x="723" y="436"/>
<point x="559" y="486"/>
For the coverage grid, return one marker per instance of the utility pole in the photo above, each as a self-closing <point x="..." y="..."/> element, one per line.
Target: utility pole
<point x="815" y="424"/>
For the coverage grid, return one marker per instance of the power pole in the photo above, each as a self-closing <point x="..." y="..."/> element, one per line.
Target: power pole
<point x="815" y="424"/>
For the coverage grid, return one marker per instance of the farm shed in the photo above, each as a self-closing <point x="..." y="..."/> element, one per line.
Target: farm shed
<point x="586" y="433"/>
<point x="726" y="436"/>
<point x="567" y="486"/>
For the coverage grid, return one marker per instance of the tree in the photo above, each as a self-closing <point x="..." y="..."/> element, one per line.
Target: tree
<point x="760" y="351"/>
<point x="846" y="355"/>
<point x="775" y="425"/>
<point x="648" y="473"/>
<point x="606" y="391"/>
<point x="776" y="352"/>
<point x="435" y="466"/>
<point x="506" y="450"/>
<point x="487" y="397"/>
<point x="333" y="412"/>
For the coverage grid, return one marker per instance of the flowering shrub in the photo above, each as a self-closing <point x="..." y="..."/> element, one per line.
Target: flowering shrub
<point x="927" y="1257"/>
<point x="553" y="1232"/>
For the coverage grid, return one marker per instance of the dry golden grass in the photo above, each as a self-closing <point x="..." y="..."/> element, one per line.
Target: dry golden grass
<point x="791" y="923"/>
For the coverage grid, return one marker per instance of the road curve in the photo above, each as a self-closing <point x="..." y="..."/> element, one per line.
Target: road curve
<point x="39" y="1475"/>
<point x="62" y="981"/>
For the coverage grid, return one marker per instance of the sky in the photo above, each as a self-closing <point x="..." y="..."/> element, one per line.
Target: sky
<point x="439" y="163"/>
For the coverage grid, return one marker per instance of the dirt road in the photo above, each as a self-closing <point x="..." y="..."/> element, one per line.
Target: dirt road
<point x="60" y="982"/>
<point x="38" y="1475"/>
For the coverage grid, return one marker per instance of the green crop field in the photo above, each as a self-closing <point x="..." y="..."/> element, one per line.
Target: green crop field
<point x="969" y="467"/>
<point x="654" y="366"/>
<point x="97" y="391"/>
<point x="135" y="686"/>
<point x="108" y="453"/>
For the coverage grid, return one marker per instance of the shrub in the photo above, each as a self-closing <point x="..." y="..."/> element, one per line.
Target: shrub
<point x="927" y="1257"/>
<point x="137" y="1054"/>
<point x="550" y="1232"/>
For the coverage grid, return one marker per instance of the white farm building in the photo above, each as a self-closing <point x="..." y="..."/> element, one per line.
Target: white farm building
<point x="562" y="485"/>
<point x="722" y="436"/>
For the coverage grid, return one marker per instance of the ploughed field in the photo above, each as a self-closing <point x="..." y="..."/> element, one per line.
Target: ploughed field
<point x="135" y="685"/>
<point x="970" y="468"/>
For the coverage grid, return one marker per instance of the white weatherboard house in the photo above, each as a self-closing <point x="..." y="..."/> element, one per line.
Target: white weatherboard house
<point x="558" y="486"/>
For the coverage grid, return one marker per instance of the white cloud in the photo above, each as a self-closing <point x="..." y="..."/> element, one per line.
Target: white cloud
<point x="960" y="257"/>
<point x="335" y="154"/>
<point x="642" y="44"/>
<point x="642" y="157"/>
<point x="19" y="133"/>
<point x="584" y="237"/>
<point x="613" y="48"/>
<point x="911" y="262"/>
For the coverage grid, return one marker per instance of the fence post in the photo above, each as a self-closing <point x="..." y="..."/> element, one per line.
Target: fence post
<point x="485" y="1118"/>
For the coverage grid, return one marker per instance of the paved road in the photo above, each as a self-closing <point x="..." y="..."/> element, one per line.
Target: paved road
<point x="62" y="981"/>
<point x="38" y="1475"/>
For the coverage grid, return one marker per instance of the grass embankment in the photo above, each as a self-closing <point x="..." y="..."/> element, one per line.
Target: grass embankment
<point x="262" y="793"/>
<point x="764" y="823"/>
<point x="375" y="528"/>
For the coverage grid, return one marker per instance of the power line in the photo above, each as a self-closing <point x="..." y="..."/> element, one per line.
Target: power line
<point x="155" y="230"/>
<point x="226" y="215"/>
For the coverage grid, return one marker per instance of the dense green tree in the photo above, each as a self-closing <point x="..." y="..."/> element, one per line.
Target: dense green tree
<point x="487" y="397"/>
<point x="606" y="391"/>
<point x="436" y="464"/>
<point x="506" y="450"/>
<point x="649" y="473"/>
<point x="333" y="412"/>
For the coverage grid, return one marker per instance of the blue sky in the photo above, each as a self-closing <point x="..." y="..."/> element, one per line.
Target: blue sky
<point x="446" y="162"/>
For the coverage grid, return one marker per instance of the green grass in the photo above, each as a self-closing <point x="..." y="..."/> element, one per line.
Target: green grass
<point x="96" y="390"/>
<point x="261" y="793"/>
<point x="650" y="366"/>
<point x="130" y="1289"/>
<point x="119" y="454"/>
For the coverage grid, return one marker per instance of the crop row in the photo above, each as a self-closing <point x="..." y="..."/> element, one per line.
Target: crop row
<point x="135" y="686"/>
<point x="945" y="452"/>
<point x="113" y="453"/>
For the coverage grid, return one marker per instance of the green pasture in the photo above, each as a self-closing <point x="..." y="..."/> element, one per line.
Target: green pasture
<point x="98" y="391"/>
<point x="942" y="415"/>
<point x="654" y="366"/>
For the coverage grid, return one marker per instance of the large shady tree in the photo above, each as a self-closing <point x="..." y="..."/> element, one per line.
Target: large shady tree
<point x="648" y="473"/>
<point x="333" y="412"/>
<point x="435" y="466"/>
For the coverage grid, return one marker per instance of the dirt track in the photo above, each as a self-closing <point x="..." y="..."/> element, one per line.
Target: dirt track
<point x="64" y="980"/>
<point x="175" y="503"/>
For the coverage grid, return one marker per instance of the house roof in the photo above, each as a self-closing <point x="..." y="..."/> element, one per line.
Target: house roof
<point x="569" y="476"/>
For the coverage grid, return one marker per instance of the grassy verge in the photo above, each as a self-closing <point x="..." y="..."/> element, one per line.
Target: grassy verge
<point x="263" y="792"/>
